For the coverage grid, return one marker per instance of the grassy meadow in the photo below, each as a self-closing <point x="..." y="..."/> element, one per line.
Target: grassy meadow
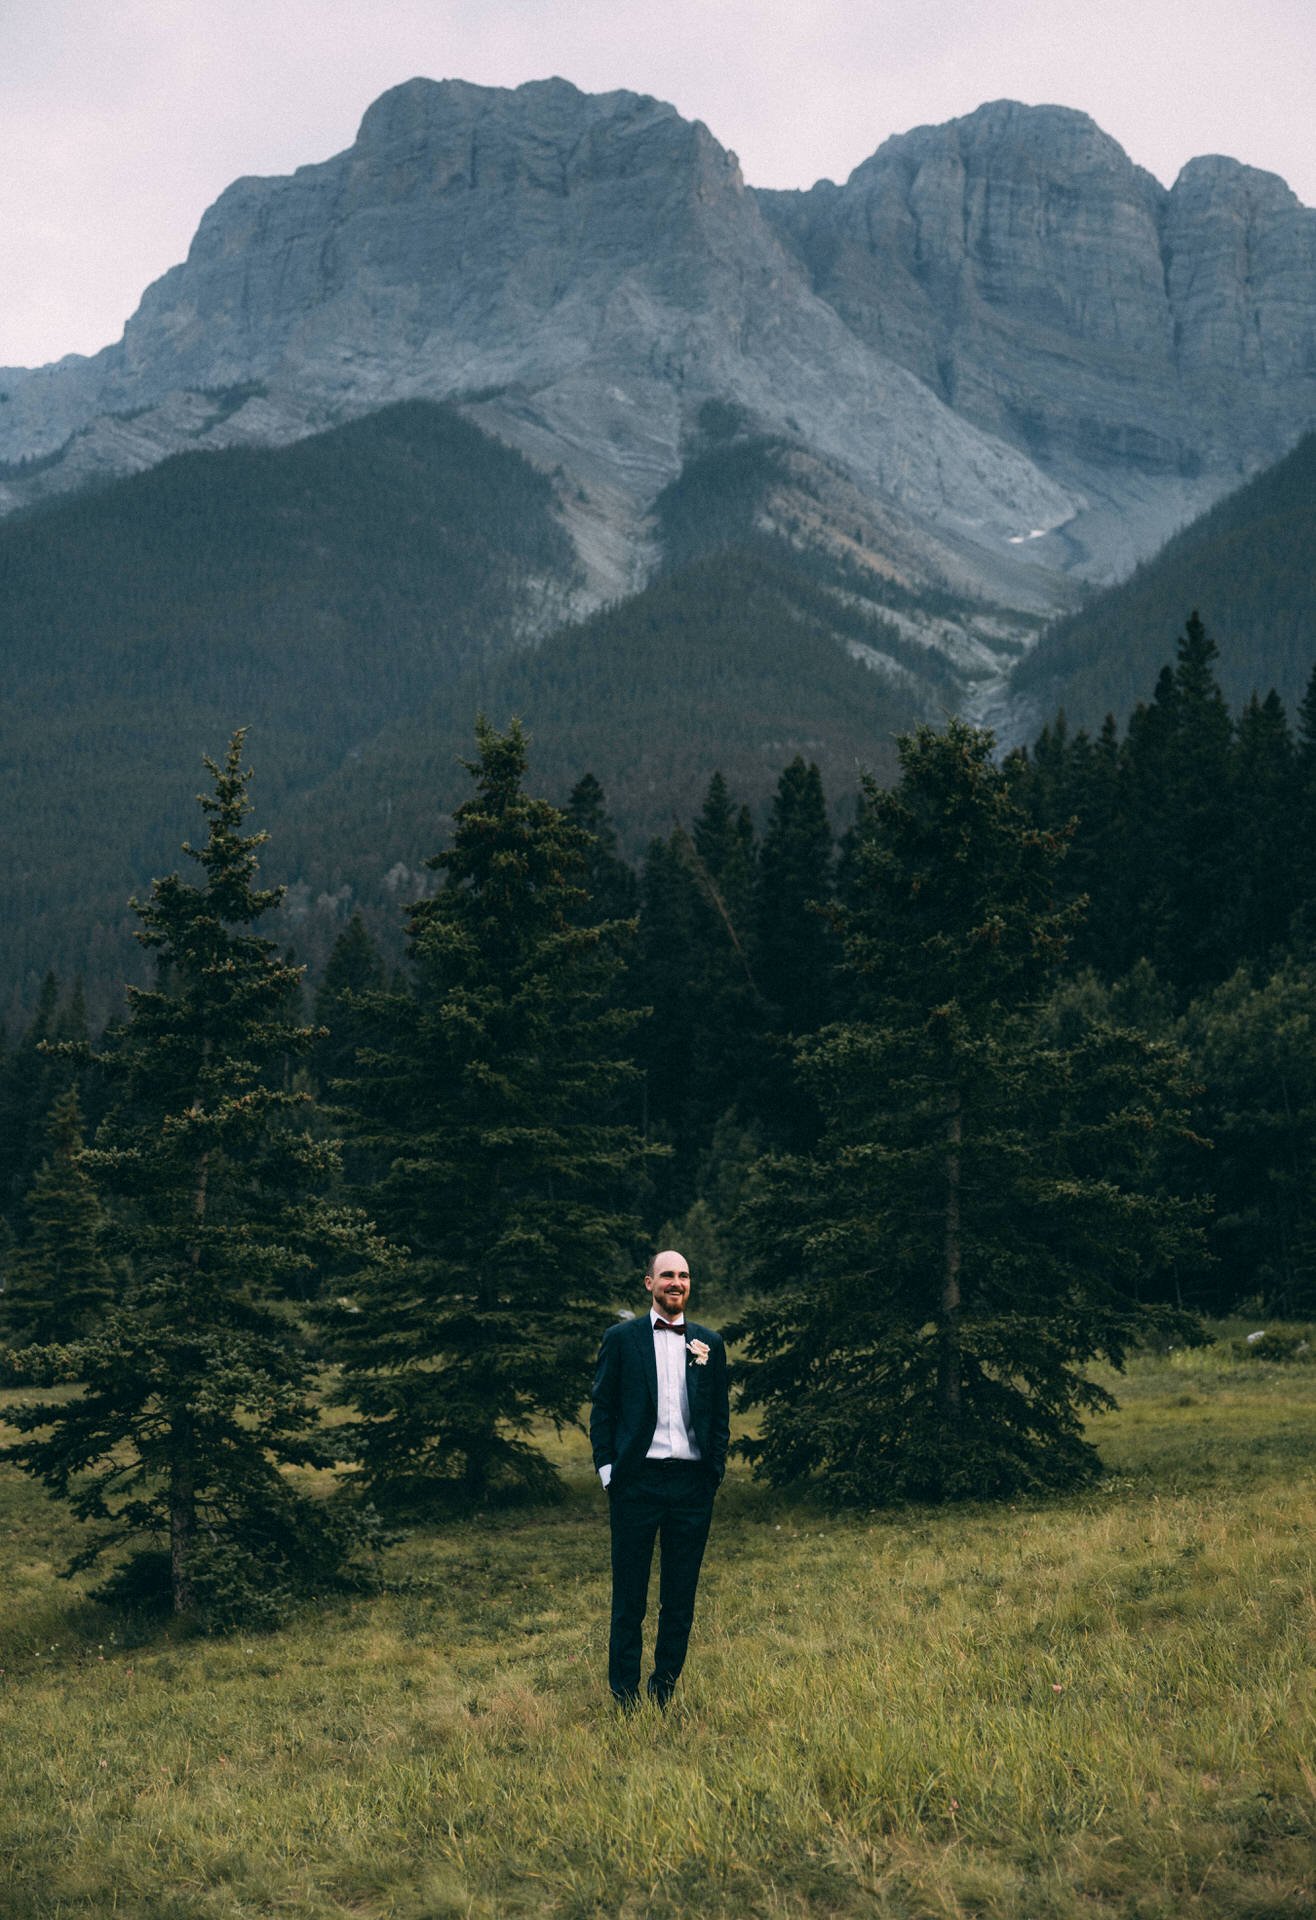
<point x="1099" y="1706"/>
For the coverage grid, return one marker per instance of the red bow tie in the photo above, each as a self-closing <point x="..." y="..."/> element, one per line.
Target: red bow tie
<point x="669" y="1326"/>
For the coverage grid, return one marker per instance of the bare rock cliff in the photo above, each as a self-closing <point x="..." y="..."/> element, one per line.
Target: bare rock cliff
<point x="1147" y="348"/>
<point x="1005" y="335"/>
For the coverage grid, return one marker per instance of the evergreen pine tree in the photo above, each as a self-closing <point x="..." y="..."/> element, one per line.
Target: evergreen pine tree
<point x="1048" y="779"/>
<point x="975" y="1224"/>
<point x="701" y="1046"/>
<point x="1074" y="786"/>
<point x="1136" y="922"/>
<point x="33" y="1077"/>
<point x="796" y="947"/>
<point x="486" y="1094"/>
<point x="70" y="1030"/>
<point x="1255" y="872"/>
<point x="354" y="969"/>
<point x="1195" y="940"/>
<point x="722" y="842"/>
<point x="1094" y="864"/>
<point x="59" y="1281"/>
<point x="1302" y="850"/>
<point x="194" y="1386"/>
<point x="611" y="889"/>
<point x="662" y="981"/>
<point x="720" y="855"/>
<point x="1252" y="1048"/>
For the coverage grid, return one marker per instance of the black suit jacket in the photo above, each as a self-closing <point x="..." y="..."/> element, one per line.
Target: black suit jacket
<point x="624" y="1410"/>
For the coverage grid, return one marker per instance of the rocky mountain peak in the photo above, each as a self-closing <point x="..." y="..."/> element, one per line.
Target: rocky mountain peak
<point x="1219" y="176"/>
<point x="1149" y="348"/>
<point x="420" y="109"/>
<point x="1000" y="330"/>
<point x="1007" y="135"/>
<point x="1240" y="275"/>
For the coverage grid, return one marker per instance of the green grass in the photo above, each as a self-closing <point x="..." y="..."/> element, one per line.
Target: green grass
<point x="1099" y="1707"/>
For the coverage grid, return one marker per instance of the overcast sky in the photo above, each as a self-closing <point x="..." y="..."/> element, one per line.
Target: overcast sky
<point x="121" y="120"/>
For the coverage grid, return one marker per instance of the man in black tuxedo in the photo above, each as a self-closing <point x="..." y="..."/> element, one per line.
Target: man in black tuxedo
<point x="659" y="1428"/>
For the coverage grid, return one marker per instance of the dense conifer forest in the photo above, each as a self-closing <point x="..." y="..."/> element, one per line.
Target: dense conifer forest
<point x="353" y="600"/>
<point x="1016" y="1076"/>
<point x="1187" y="861"/>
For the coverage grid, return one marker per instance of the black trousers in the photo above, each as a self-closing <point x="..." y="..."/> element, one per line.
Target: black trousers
<point x="670" y="1501"/>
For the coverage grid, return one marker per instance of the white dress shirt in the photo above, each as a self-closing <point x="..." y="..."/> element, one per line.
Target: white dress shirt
<point x="673" y="1436"/>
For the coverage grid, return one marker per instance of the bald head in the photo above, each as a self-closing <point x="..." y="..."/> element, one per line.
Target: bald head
<point x="667" y="1279"/>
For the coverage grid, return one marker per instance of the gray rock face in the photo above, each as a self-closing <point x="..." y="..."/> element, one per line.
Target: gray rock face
<point x="1146" y="348"/>
<point x="1240" y="277"/>
<point x="1010" y="259"/>
<point x="1009" y="339"/>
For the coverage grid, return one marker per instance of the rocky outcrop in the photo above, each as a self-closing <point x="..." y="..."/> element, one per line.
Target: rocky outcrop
<point x="1016" y="344"/>
<point x="1147" y="348"/>
<point x="1012" y="261"/>
<point x="1240" y="277"/>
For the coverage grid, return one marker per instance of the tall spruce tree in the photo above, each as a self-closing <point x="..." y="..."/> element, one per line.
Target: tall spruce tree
<point x="611" y="889"/>
<point x="1257" y="871"/>
<point x="33" y="1076"/>
<point x="701" y="1046"/>
<point x="59" y="1282"/>
<point x="487" y="1095"/>
<point x="355" y="967"/>
<point x="663" y="977"/>
<point x="1094" y="863"/>
<point x="979" y="1217"/>
<point x="194" y="1386"/>
<point x="796" y="947"/>
<point x="1196" y="942"/>
<point x="1253" y="1047"/>
<point x="719" y="857"/>
<point x="1135" y="910"/>
<point x="1075" y="785"/>
<point x="1164" y="824"/>
<point x="1302" y="851"/>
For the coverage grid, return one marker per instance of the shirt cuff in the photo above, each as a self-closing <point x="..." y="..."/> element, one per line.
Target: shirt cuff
<point x="605" y="1473"/>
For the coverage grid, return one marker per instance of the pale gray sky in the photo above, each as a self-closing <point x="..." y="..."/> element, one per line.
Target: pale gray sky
<point x="120" y="123"/>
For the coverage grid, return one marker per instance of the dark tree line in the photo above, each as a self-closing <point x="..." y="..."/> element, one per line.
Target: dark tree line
<point x="939" y="1092"/>
<point x="1193" y="843"/>
<point x="1195" y="835"/>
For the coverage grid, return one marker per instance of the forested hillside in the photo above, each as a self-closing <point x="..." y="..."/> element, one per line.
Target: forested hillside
<point x="731" y="663"/>
<point x="1246" y="565"/>
<point x="314" y="594"/>
<point x="354" y="600"/>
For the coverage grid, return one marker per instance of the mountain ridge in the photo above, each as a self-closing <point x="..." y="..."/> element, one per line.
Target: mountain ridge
<point x="967" y="333"/>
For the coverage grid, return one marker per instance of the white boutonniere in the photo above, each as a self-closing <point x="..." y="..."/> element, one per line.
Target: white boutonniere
<point x="698" y="1350"/>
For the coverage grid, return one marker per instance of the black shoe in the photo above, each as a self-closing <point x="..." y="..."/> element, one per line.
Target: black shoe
<point x="627" y="1703"/>
<point x="661" y="1693"/>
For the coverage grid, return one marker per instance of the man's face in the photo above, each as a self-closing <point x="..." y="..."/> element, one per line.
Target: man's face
<point x="669" y="1284"/>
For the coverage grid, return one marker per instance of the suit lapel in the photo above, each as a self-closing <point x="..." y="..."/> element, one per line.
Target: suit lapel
<point x="693" y="1374"/>
<point x="644" y="1334"/>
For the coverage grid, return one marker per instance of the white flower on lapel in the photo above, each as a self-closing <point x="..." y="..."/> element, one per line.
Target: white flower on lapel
<point x="698" y="1350"/>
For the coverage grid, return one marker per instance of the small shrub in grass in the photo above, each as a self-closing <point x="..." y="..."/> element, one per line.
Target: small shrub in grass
<point x="1276" y="1343"/>
<point x="256" y="1574"/>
